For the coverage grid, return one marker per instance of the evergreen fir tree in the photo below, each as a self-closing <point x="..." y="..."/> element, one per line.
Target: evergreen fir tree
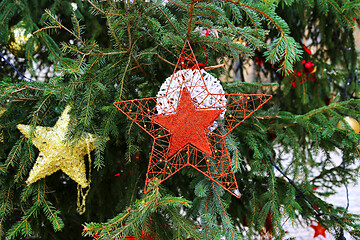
<point x="96" y="53"/>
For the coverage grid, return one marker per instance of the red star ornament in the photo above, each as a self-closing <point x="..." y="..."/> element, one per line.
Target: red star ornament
<point x="188" y="125"/>
<point x="191" y="133"/>
<point x="319" y="230"/>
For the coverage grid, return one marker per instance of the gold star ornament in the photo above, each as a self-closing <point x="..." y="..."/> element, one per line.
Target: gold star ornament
<point x="56" y="153"/>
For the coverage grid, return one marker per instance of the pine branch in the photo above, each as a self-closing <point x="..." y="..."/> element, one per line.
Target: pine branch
<point x="136" y="219"/>
<point x="6" y="195"/>
<point x="224" y="216"/>
<point x="168" y="17"/>
<point x="61" y="26"/>
<point x="52" y="215"/>
<point x="24" y="165"/>
<point x="23" y="226"/>
<point x="14" y="154"/>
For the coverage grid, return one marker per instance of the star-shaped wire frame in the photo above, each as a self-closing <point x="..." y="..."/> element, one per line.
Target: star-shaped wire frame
<point x="216" y="166"/>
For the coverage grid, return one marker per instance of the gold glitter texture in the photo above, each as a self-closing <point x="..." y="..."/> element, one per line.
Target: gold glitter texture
<point x="56" y="154"/>
<point x="19" y="36"/>
<point x="2" y="110"/>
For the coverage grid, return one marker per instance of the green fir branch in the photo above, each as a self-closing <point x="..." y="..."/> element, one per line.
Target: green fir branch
<point x="23" y="226"/>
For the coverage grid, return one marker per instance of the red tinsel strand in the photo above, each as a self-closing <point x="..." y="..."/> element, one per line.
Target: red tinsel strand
<point x="308" y="51"/>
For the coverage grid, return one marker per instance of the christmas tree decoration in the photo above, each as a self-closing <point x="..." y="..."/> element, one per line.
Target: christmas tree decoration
<point x="308" y="51"/>
<point x="19" y="37"/>
<point x="319" y="230"/>
<point x="207" y="31"/>
<point x="352" y="123"/>
<point x="187" y="125"/>
<point x="190" y="120"/>
<point x="240" y="41"/>
<point x="56" y="154"/>
<point x="259" y="61"/>
<point x="309" y="67"/>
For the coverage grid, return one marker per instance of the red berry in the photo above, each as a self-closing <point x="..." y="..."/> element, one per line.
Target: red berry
<point x="308" y="65"/>
<point x="259" y="61"/>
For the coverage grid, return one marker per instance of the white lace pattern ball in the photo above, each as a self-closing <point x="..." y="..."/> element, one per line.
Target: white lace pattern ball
<point x="200" y="89"/>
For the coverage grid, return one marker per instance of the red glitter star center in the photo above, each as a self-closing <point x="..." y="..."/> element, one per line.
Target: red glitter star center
<point x="319" y="230"/>
<point x="188" y="125"/>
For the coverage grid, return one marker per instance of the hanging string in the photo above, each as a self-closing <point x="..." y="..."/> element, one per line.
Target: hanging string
<point x="81" y="196"/>
<point x="207" y="57"/>
<point x="23" y="77"/>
